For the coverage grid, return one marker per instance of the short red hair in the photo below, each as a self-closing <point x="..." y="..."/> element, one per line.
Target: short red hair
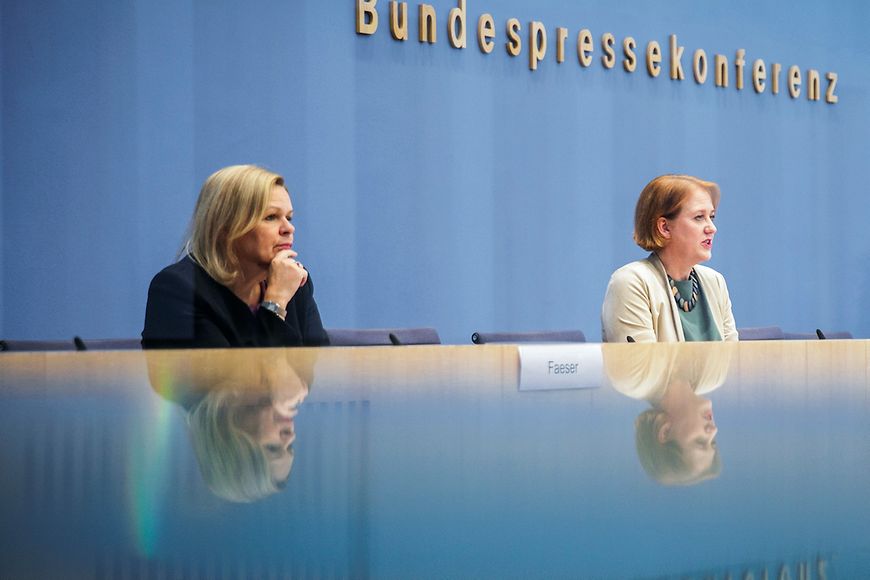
<point x="664" y="197"/>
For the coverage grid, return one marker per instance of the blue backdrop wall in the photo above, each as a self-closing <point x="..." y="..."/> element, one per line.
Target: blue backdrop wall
<point x="433" y="185"/>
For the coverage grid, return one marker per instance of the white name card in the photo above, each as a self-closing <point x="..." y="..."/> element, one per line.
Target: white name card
<point x="560" y="366"/>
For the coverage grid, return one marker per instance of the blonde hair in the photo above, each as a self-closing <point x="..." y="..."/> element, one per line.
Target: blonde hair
<point x="231" y="202"/>
<point x="664" y="197"/>
<point x="232" y="464"/>
<point x="220" y="390"/>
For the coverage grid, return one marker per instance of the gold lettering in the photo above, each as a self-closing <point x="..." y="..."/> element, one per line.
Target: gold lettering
<point x="653" y="58"/>
<point x="721" y="65"/>
<point x="561" y="36"/>
<point x="813" y="88"/>
<point x="738" y="65"/>
<point x="794" y="81"/>
<point x="485" y="32"/>
<point x="366" y="16"/>
<point x="456" y="15"/>
<point x="759" y="74"/>
<point x="367" y="21"/>
<point x="515" y="43"/>
<point x="427" y="26"/>
<point x="830" y="97"/>
<point x="537" y="44"/>
<point x="774" y="78"/>
<point x="676" y="60"/>
<point x="399" y="20"/>
<point x="630" y="61"/>
<point x="584" y="47"/>
<point x="608" y="59"/>
<point x="699" y="66"/>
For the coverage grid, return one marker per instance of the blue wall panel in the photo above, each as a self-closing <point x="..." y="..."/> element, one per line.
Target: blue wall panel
<point x="433" y="186"/>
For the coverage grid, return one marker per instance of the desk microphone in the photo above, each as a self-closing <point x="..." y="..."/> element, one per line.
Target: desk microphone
<point x="820" y="334"/>
<point x="395" y="340"/>
<point x="629" y="338"/>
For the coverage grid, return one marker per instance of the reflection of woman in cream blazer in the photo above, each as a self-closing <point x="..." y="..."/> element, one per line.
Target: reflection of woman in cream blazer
<point x="676" y="436"/>
<point x="645" y="372"/>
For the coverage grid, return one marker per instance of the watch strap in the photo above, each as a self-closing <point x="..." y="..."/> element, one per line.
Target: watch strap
<point x="274" y="307"/>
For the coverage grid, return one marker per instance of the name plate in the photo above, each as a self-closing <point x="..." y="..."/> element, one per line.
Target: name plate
<point x="560" y="366"/>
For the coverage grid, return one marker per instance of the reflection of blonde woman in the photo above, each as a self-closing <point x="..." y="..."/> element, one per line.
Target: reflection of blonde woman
<point x="676" y="438"/>
<point x="241" y="418"/>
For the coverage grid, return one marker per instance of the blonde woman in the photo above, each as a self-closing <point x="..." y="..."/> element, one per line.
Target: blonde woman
<point x="669" y="296"/>
<point x="239" y="283"/>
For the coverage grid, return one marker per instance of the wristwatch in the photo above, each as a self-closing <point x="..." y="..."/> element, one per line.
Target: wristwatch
<point x="274" y="307"/>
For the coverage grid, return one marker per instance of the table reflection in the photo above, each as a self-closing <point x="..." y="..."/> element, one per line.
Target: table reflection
<point x="676" y="437"/>
<point x="240" y="416"/>
<point x="429" y="462"/>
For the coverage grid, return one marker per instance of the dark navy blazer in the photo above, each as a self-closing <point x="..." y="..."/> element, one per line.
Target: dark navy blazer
<point x="187" y="308"/>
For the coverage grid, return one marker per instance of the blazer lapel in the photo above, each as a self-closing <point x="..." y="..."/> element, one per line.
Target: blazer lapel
<point x="675" y="315"/>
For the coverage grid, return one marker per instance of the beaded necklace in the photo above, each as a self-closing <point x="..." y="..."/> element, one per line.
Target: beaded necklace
<point x="686" y="305"/>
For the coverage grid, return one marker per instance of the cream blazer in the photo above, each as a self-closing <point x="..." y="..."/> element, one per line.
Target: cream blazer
<point x="638" y="303"/>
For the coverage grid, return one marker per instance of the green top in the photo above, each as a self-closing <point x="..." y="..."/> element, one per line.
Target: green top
<point x="698" y="324"/>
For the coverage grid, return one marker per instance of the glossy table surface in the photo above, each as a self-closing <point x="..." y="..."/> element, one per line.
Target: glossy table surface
<point x="747" y="460"/>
